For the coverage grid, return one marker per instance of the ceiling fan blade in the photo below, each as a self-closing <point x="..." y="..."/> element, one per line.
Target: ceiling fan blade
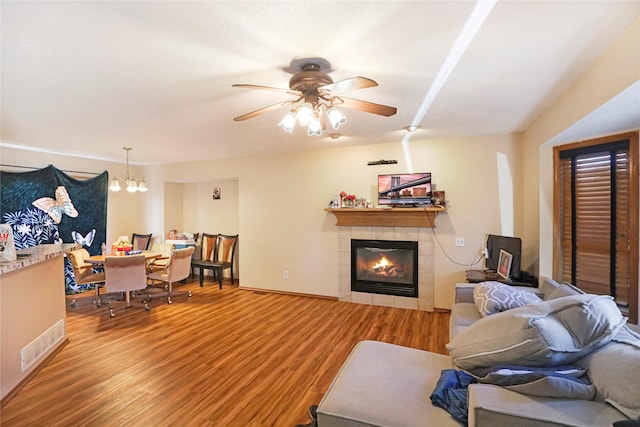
<point x="346" y="85"/>
<point x="273" y="89"/>
<point x="261" y="111"/>
<point x="369" y="107"/>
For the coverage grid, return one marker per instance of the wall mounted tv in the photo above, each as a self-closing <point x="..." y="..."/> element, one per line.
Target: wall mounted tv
<point x="513" y="245"/>
<point x="404" y="189"/>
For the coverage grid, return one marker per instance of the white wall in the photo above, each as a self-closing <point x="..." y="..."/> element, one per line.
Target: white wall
<point x="203" y="214"/>
<point x="610" y="75"/>
<point x="173" y="208"/>
<point x="281" y="200"/>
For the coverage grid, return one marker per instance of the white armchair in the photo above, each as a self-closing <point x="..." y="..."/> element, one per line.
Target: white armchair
<point x="125" y="274"/>
<point x="178" y="268"/>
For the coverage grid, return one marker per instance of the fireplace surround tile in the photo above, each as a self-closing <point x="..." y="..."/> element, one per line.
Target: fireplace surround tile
<point x="424" y="237"/>
<point x="362" y="298"/>
<point x="383" y="300"/>
<point x="405" y="233"/>
<point x="405" y="302"/>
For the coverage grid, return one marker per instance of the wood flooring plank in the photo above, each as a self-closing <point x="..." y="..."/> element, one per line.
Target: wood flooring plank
<point x="225" y="357"/>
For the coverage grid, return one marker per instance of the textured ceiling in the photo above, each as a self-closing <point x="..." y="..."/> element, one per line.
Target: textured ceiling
<point x="87" y="78"/>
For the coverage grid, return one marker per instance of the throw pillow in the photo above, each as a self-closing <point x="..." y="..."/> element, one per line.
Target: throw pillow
<point x="495" y="297"/>
<point x="548" y="333"/>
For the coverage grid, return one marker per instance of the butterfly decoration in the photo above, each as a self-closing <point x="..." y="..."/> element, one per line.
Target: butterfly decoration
<point x="55" y="208"/>
<point x="84" y="240"/>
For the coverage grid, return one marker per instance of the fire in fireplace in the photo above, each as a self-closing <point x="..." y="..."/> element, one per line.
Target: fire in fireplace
<point x="387" y="267"/>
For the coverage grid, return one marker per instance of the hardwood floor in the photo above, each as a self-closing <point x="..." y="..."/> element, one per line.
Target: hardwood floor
<point x="225" y="357"/>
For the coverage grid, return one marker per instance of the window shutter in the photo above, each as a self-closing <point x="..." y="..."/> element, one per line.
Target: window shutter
<point x="623" y="273"/>
<point x="594" y="191"/>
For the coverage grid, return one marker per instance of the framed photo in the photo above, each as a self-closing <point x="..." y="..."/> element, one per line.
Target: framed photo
<point x="438" y="198"/>
<point x="504" y="264"/>
<point x="217" y="193"/>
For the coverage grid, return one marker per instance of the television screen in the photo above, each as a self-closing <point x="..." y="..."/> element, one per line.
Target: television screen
<point x="513" y="245"/>
<point x="404" y="189"/>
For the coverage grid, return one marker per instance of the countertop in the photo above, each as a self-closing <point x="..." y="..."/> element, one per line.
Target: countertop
<point x="34" y="255"/>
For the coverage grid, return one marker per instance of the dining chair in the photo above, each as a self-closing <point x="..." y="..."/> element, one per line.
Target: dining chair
<point x="178" y="268"/>
<point x="205" y="251"/>
<point x="160" y="263"/>
<point x="85" y="273"/>
<point x="125" y="274"/>
<point x="140" y="242"/>
<point x="223" y="259"/>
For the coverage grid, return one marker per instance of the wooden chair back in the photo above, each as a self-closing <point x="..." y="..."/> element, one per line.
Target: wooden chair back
<point x="209" y="244"/>
<point x="226" y="248"/>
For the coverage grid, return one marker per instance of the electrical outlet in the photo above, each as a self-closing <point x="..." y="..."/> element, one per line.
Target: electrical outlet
<point x="460" y="242"/>
<point x="285" y="274"/>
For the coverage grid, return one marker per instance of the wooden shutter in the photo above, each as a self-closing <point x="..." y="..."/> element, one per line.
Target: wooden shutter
<point x="595" y="220"/>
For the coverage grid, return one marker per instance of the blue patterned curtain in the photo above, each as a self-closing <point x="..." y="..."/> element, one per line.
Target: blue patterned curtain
<point x="49" y="206"/>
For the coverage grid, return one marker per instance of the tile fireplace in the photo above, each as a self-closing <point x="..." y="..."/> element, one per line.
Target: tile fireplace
<point x="388" y="267"/>
<point x="425" y="266"/>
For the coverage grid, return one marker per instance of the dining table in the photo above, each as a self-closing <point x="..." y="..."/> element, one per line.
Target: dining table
<point x="98" y="260"/>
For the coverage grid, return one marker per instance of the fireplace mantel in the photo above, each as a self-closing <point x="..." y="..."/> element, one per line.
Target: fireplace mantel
<point x="389" y="217"/>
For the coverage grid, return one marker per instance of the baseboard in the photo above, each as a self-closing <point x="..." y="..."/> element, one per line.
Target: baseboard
<point x="33" y="373"/>
<point x="300" y="294"/>
<point x="296" y="294"/>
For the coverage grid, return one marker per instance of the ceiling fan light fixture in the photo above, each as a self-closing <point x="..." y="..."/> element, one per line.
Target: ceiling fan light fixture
<point x="305" y="114"/>
<point x="315" y="89"/>
<point x="336" y="117"/>
<point x="315" y="127"/>
<point x="288" y="122"/>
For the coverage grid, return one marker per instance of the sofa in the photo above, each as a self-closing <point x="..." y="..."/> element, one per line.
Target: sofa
<point x="382" y="384"/>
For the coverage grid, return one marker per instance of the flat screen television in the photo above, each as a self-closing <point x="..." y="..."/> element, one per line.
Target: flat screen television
<point x="404" y="189"/>
<point x="513" y="245"/>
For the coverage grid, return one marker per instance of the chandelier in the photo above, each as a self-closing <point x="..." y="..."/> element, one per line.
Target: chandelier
<point x="130" y="182"/>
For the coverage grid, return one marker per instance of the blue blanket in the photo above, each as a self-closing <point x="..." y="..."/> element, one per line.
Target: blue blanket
<point x="557" y="381"/>
<point x="450" y="393"/>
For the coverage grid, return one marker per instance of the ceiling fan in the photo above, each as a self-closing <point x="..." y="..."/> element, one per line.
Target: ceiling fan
<point x="318" y="95"/>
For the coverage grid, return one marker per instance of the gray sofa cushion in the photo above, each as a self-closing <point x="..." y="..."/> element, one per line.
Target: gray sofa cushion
<point x="562" y="290"/>
<point x="494" y="406"/>
<point x="463" y="315"/>
<point x="615" y="371"/>
<point x="383" y="384"/>
<point x="494" y="297"/>
<point x="568" y="381"/>
<point x="548" y="333"/>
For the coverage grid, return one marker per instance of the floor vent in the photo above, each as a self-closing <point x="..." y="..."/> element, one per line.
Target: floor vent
<point x="41" y="345"/>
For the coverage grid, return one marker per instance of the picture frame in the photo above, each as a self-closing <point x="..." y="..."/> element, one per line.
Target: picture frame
<point x="438" y="198"/>
<point x="504" y="264"/>
<point x="217" y="193"/>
